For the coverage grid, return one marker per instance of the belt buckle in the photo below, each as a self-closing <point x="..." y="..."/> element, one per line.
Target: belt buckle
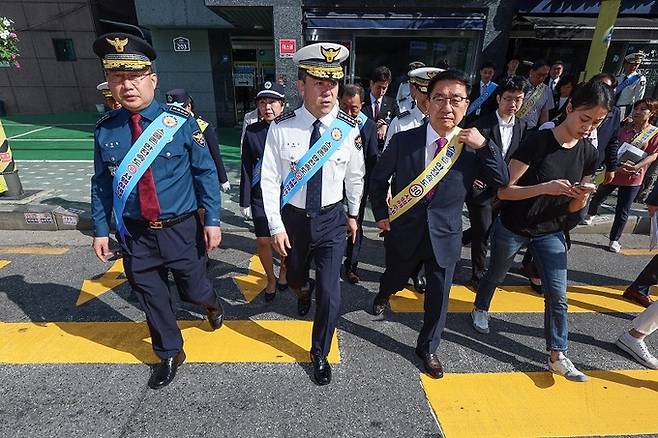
<point x="155" y="225"/>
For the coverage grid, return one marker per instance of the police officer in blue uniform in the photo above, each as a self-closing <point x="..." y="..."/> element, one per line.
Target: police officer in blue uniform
<point x="181" y="97"/>
<point x="153" y="170"/>
<point x="270" y="101"/>
<point x="312" y="159"/>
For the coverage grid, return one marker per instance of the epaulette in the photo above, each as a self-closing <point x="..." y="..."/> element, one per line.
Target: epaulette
<point x="342" y="115"/>
<point x="179" y="111"/>
<point x="106" y="116"/>
<point x="404" y="114"/>
<point x="285" y="116"/>
<point x="202" y="124"/>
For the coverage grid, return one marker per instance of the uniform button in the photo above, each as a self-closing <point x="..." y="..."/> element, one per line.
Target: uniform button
<point x="168" y="154"/>
<point x="113" y="159"/>
<point x="111" y="146"/>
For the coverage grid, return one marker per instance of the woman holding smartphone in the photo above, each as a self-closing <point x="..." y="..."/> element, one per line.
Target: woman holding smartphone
<point x="550" y="182"/>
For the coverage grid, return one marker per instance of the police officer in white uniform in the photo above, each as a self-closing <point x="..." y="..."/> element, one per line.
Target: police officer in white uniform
<point x="404" y="97"/>
<point x="418" y="80"/>
<point x="631" y="84"/>
<point x="313" y="225"/>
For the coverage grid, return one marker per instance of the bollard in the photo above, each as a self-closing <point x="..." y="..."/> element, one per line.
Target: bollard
<point x="10" y="183"/>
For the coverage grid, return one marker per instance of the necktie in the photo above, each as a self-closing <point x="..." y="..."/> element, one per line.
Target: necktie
<point x="149" y="206"/>
<point x="314" y="184"/>
<point x="440" y="144"/>
<point x="376" y="114"/>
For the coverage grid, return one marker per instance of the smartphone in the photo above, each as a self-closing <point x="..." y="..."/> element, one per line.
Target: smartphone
<point x="588" y="186"/>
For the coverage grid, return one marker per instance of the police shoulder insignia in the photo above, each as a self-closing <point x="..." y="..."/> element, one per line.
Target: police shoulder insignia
<point x="285" y="116"/>
<point x="175" y="109"/>
<point x="106" y="116"/>
<point x="358" y="142"/>
<point x="404" y="114"/>
<point x="342" y="115"/>
<point x="199" y="138"/>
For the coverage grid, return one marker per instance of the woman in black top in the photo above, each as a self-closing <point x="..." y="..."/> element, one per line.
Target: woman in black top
<point x="547" y="188"/>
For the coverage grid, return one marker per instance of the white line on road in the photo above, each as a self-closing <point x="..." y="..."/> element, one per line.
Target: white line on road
<point x="52" y="139"/>
<point x="43" y="128"/>
<point x="5" y="123"/>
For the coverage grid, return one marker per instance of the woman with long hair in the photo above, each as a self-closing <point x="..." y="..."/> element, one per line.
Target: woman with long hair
<point x="550" y="183"/>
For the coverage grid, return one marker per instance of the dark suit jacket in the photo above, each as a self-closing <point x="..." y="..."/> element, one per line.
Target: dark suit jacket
<point x="487" y="106"/>
<point x="556" y="111"/>
<point x="404" y="158"/>
<point x="253" y="146"/>
<point x="607" y="135"/>
<point x="370" y="147"/>
<point x="388" y="108"/>
<point x="213" y="148"/>
<point x="488" y="127"/>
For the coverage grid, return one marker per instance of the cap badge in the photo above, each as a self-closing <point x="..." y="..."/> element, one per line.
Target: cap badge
<point x="117" y="43"/>
<point x="267" y="85"/>
<point x="329" y="54"/>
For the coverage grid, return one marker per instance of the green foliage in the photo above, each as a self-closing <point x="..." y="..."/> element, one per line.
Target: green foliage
<point x="8" y="44"/>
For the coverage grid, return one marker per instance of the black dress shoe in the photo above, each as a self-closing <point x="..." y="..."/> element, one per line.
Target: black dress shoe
<point x="380" y="304"/>
<point x="431" y="362"/>
<point x="304" y="299"/>
<point x="420" y="283"/>
<point x="535" y="287"/>
<point x="164" y="372"/>
<point x="269" y="296"/>
<point x="281" y="286"/>
<point x="321" y="370"/>
<point x="216" y="316"/>
<point x="474" y="283"/>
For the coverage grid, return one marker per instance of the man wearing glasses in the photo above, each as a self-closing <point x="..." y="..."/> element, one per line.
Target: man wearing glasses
<point x="434" y="166"/>
<point x="152" y="169"/>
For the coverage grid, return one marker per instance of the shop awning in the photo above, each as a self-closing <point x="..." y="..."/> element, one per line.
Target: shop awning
<point x="569" y="27"/>
<point x="395" y="21"/>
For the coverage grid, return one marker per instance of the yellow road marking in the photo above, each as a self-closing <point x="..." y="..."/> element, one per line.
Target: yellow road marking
<point x="539" y="404"/>
<point x="129" y="342"/>
<point x="254" y="282"/>
<point x="109" y="280"/>
<point x="4" y="263"/>
<point x="637" y="252"/>
<point x="522" y="299"/>
<point x="40" y="250"/>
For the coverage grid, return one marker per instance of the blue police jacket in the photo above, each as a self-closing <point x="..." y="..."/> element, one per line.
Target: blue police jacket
<point x="184" y="172"/>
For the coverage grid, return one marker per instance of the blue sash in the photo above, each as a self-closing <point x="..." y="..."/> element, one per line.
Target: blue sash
<point x="361" y="119"/>
<point x="490" y="88"/>
<point x="255" y="178"/>
<point x="140" y="156"/>
<point x="314" y="158"/>
<point x="630" y="80"/>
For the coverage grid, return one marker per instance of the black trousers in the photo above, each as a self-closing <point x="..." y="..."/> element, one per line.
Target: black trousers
<point x="321" y="239"/>
<point x="399" y="267"/>
<point x="647" y="278"/>
<point x="353" y="250"/>
<point x="481" y="215"/>
<point x="149" y="255"/>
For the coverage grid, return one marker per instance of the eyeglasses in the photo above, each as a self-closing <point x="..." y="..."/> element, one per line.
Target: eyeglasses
<point x="518" y="100"/>
<point x="454" y="101"/>
<point x="133" y="78"/>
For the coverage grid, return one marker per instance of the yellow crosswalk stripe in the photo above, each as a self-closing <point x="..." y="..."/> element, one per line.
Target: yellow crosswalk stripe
<point x="522" y="299"/>
<point x="638" y="251"/>
<point x="539" y="404"/>
<point x="38" y="250"/>
<point x="109" y="280"/>
<point x="4" y="263"/>
<point x="129" y="342"/>
<point x="254" y="282"/>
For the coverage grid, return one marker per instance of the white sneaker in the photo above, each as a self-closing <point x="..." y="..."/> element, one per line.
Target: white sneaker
<point x="480" y="321"/>
<point x="614" y="246"/>
<point x="637" y="349"/>
<point x="564" y="367"/>
<point x="588" y="220"/>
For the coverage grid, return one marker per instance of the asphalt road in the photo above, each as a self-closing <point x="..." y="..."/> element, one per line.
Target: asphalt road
<point x="376" y="391"/>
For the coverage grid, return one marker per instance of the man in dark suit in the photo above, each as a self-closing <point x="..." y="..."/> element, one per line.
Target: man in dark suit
<point x="351" y="101"/>
<point x="607" y="133"/>
<point x="432" y="167"/>
<point x="507" y="132"/>
<point x="486" y="85"/>
<point x="378" y="106"/>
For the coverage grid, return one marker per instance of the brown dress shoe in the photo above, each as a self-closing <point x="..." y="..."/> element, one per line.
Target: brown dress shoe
<point x="638" y="298"/>
<point x="432" y="363"/>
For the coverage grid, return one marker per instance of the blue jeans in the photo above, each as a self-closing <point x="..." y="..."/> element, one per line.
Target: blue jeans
<point x="550" y="255"/>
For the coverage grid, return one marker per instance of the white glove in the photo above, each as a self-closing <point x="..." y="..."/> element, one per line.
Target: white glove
<point x="226" y="187"/>
<point x="246" y="212"/>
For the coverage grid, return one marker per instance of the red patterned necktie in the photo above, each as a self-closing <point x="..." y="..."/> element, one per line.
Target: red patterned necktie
<point x="440" y="144"/>
<point x="149" y="205"/>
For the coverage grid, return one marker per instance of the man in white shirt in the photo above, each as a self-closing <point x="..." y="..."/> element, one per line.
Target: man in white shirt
<point x="554" y="75"/>
<point x="311" y="156"/>
<point x="404" y="96"/>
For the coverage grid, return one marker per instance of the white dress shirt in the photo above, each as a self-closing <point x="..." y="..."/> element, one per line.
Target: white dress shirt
<point x="552" y="83"/>
<point x="287" y="142"/>
<point x="430" y="147"/>
<point x="506" y="132"/>
<point x="404" y="122"/>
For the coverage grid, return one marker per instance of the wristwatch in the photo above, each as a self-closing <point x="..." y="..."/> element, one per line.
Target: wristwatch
<point x="351" y="216"/>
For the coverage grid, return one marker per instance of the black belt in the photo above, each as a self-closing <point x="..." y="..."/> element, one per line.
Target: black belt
<point x="164" y="223"/>
<point x="323" y="210"/>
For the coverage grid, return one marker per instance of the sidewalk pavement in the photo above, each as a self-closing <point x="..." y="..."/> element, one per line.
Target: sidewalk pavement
<point x="62" y="201"/>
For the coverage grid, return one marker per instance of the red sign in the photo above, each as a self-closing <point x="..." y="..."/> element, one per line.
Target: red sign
<point x="287" y="48"/>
